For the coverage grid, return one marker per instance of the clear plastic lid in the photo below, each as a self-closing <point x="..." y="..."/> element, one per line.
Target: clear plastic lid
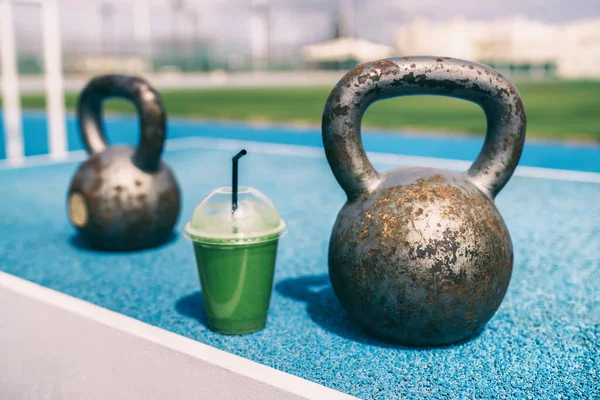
<point x="255" y="220"/>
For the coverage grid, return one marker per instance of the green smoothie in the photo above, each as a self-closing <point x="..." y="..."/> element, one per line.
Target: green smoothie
<point x="235" y="255"/>
<point x="236" y="281"/>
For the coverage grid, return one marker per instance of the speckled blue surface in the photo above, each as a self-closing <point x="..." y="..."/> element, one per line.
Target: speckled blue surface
<point x="544" y="342"/>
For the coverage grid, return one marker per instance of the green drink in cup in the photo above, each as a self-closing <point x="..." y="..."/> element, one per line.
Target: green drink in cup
<point x="235" y="233"/>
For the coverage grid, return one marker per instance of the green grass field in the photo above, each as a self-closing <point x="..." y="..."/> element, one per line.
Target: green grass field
<point x="555" y="110"/>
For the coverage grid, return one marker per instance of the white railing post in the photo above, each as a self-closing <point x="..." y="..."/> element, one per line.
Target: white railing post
<point x="141" y="28"/>
<point x="259" y="34"/>
<point x="11" y="102"/>
<point x="55" y="97"/>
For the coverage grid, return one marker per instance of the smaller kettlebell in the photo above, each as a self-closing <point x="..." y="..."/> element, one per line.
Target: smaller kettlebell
<point x="123" y="198"/>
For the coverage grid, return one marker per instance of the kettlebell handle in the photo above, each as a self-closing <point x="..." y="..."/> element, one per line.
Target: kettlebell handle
<point x="383" y="79"/>
<point x="149" y="108"/>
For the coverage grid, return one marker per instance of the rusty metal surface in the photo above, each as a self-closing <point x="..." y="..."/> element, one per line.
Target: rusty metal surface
<point x="123" y="198"/>
<point x="421" y="256"/>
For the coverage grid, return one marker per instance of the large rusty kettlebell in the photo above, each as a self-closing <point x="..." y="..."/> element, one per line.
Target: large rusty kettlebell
<point x="123" y="198"/>
<point x="421" y="256"/>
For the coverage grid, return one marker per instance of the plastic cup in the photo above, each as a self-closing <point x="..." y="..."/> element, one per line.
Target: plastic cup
<point x="235" y="254"/>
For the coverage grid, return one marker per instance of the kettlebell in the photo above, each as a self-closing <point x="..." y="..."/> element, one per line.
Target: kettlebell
<point x="421" y="256"/>
<point x="123" y="198"/>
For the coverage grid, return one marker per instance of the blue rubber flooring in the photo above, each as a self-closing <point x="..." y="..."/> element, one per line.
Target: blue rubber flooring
<point x="544" y="342"/>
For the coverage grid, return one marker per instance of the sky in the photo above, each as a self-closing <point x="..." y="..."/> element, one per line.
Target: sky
<point x="226" y="23"/>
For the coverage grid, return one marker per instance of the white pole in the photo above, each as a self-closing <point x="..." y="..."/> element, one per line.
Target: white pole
<point x="259" y="34"/>
<point x="141" y="28"/>
<point x="13" y="128"/>
<point x="345" y="12"/>
<point x="55" y="98"/>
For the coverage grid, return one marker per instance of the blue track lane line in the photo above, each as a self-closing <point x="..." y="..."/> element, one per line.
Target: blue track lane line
<point x="124" y="129"/>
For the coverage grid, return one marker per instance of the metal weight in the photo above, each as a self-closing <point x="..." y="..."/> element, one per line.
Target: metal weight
<point x="421" y="256"/>
<point x="123" y="198"/>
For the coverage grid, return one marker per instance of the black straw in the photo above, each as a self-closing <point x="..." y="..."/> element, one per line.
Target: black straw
<point x="234" y="180"/>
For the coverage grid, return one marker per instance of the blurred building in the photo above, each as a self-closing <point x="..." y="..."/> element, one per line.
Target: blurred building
<point x="516" y="45"/>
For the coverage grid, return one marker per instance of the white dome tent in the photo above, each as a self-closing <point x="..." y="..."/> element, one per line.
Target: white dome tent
<point x="344" y="49"/>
